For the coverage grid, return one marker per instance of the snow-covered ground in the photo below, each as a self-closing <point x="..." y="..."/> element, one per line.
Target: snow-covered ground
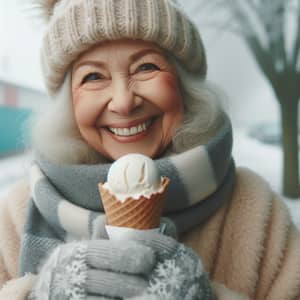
<point x="266" y="160"/>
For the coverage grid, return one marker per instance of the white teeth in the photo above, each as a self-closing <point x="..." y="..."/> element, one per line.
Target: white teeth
<point x="132" y="130"/>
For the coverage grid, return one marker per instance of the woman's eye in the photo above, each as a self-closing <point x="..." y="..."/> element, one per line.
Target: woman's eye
<point x="147" y="67"/>
<point x="91" y="77"/>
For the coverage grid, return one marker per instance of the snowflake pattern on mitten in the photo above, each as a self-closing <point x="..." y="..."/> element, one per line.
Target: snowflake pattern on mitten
<point x="64" y="274"/>
<point x="180" y="276"/>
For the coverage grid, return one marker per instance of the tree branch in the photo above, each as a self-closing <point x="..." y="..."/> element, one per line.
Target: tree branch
<point x="296" y="48"/>
<point x="241" y="12"/>
<point x="278" y="44"/>
<point x="241" y="16"/>
<point x="262" y="57"/>
<point x="273" y="27"/>
<point x="261" y="54"/>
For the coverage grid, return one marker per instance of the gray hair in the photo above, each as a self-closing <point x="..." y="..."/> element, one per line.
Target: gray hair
<point x="203" y="111"/>
<point x="56" y="136"/>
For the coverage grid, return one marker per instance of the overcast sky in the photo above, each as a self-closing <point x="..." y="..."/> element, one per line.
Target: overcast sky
<point x="230" y="65"/>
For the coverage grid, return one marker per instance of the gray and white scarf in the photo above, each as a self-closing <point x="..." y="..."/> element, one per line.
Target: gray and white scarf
<point x="65" y="204"/>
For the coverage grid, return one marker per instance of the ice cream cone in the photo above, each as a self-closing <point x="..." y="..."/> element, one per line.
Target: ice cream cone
<point x="142" y="213"/>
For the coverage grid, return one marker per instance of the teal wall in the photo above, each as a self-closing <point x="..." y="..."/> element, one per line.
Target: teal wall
<point x="12" y="128"/>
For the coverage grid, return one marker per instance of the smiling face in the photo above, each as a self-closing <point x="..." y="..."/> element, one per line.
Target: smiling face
<point x="126" y="98"/>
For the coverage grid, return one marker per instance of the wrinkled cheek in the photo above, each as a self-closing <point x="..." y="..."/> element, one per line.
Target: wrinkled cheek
<point x="84" y="114"/>
<point x="91" y="135"/>
<point x="170" y="123"/>
<point x="172" y="104"/>
<point x="87" y="112"/>
<point x="168" y="94"/>
<point x="172" y="107"/>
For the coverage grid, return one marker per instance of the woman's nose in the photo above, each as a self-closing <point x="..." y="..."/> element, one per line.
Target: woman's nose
<point x="123" y="100"/>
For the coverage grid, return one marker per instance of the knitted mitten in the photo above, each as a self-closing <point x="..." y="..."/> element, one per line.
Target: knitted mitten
<point x="148" y="266"/>
<point x="178" y="274"/>
<point x="101" y="268"/>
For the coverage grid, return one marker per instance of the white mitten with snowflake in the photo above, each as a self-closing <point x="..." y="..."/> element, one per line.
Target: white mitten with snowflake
<point x="98" y="269"/>
<point x="178" y="274"/>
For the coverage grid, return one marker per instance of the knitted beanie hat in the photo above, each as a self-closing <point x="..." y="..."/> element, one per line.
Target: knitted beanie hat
<point x="76" y="25"/>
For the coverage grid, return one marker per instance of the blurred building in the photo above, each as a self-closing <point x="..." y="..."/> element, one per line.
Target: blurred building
<point x="17" y="106"/>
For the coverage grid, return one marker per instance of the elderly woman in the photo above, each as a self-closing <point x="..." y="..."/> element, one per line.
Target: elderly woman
<point x="128" y="76"/>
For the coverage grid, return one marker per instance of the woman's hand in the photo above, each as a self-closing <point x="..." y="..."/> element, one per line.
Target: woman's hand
<point x="149" y="266"/>
<point x="99" y="269"/>
<point x="178" y="274"/>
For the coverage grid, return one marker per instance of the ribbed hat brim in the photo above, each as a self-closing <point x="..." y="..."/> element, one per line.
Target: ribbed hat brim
<point x="82" y="23"/>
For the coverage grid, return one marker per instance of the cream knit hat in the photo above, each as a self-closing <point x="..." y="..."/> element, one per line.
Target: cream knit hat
<point x="76" y="25"/>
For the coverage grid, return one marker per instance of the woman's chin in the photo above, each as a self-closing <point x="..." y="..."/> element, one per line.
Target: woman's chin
<point x="121" y="152"/>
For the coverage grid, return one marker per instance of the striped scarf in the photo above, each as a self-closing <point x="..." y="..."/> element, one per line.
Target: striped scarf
<point x="65" y="204"/>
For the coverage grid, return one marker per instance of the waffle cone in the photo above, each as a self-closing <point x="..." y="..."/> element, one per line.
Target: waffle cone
<point x="142" y="213"/>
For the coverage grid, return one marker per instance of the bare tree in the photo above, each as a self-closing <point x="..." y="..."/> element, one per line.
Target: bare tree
<point x="271" y="30"/>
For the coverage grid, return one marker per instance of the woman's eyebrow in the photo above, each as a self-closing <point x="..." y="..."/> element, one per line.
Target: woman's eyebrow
<point x="92" y="63"/>
<point x="144" y="52"/>
<point x="132" y="58"/>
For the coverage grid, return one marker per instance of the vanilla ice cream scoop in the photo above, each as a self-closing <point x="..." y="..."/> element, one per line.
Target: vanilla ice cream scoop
<point x="133" y="175"/>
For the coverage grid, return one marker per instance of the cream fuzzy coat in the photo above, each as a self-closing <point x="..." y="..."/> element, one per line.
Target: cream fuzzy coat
<point x="249" y="247"/>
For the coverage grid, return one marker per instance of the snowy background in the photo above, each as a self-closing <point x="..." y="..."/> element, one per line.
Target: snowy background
<point x="249" y="102"/>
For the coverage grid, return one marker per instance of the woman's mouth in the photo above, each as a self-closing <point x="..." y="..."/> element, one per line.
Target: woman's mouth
<point x="131" y="133"/>
<point x="131" y="130"/>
